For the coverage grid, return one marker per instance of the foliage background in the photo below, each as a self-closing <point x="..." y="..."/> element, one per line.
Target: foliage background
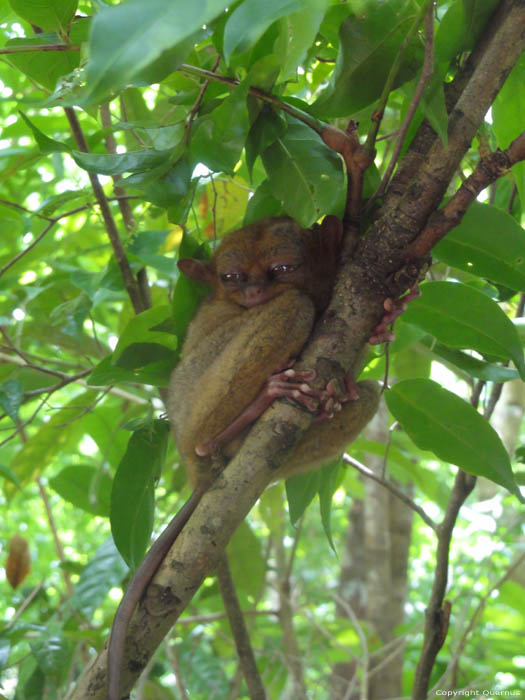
<point x="80" y="374"/>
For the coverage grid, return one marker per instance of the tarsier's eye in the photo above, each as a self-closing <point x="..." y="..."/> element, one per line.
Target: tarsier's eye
<point x="280" y="269"/>
<point x="232" y="277"/>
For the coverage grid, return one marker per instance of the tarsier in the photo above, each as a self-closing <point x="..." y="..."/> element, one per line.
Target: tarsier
<point x="270" y="280"/>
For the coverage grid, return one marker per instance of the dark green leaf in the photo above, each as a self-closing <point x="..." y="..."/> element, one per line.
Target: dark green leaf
<point x="305" y="175"/>
<point x="461" y="26"/>
<point x="368" y="45"/>
<point x="46" y="14"/>
<point x="45" y="144"/>
<point x="219" y="137"/>
<point x="109" y="164"/>
<point x="300" y="491"/>
<point x="267" y="128"/>
<point x="188" y="294"/>
<point x="263" y="203"/>
<point x="248" y="22"/>
<point x="462" y="317"/>
<point x="11" y="395"/>
<point x="84" y="487"/>
<point x="489" y="243"/>
<point x="9" y="475"/>
<point x="132" y="495"/>
<point x="329" y="483"/>
<point x="440" y="421"/>
<point x="146" y="338"/>
<point x="471" y="365"/>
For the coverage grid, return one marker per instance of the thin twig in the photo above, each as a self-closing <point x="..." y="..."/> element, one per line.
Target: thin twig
<point x="130" y="282"/>
<point x="443" y="220"/>
<point x="426" y="73"/>
<point x="392" y="488"/>
<point x="198" y="102"/>
<point x="52" y="221"/>
<point x="389" y="83"/>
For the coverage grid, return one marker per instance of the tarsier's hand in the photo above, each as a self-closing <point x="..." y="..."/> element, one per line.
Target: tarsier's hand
<point x="285" y="383"/>
<point x="393" y="308"/>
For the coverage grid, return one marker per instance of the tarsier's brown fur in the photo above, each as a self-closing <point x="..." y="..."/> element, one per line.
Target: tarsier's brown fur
<point x="271" y="280"/>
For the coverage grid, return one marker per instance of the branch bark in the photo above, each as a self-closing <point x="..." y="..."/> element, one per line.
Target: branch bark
<point x="378" y="269"/>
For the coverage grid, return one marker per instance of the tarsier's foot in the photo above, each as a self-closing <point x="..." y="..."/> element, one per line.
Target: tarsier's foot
<point x="393" y="308"/>
<point x="335" y="394"/>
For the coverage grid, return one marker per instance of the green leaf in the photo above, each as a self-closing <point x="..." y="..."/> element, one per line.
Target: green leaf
<point x="104" y="571"/>
<point x="85" y="487"/>
<point x="368" y="45"/>
<point x="434" y="108"/>
<point x="245" y="546"/>
<point x="488" y="243"/>
<point x="452" y="429"/>
<point x="218" y="138"/>
<point x="301" y="29"/>
<point x="462" y="317"/>
<point x="263" y="203"/>
<point x="148" y="337"/>
<point x="248" y="22"/>
<point x="127" y="38"/>
<point x="508" y="114"/>
<point x="300" y="491"/>
<point x="11" y="395"/>
<point x="45" y="144"/>
<point x="266" y="129"/>
<point x="132" y="495"/>
<point x="46" y="14"/>
<point x="44" y="67"/>
<point x="329" y="483"/>
<point x="305" y="175"/>
<point x="144" y="246"/>
<point x="460" y="27"/>
<point x="53" y="652"/>
<point x="109" y="164"/>
<point x="9" y="475"/>
<point x="188" y="294"/>
<point x="471" y="365"/>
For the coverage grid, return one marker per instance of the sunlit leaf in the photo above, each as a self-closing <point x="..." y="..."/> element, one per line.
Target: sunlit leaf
<point x="488" y="242"/>
<point x="142" y="32"/>
<point x="438" y="420"/>
<point x="462" y="317"/>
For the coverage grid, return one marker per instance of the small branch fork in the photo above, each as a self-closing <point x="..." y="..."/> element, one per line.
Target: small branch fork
<point x="489" y="169"/>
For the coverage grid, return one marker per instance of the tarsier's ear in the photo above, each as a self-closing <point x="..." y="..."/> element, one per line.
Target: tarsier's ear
<point x="332" y="231"/>
<point x="197" y="270"/>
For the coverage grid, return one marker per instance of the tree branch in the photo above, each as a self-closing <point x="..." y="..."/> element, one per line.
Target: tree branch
<point x="120" y="254"/>
<point x="489" y="169"/>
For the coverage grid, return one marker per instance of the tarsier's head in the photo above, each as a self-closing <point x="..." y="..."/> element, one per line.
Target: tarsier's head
<point x="254" y="264"/>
